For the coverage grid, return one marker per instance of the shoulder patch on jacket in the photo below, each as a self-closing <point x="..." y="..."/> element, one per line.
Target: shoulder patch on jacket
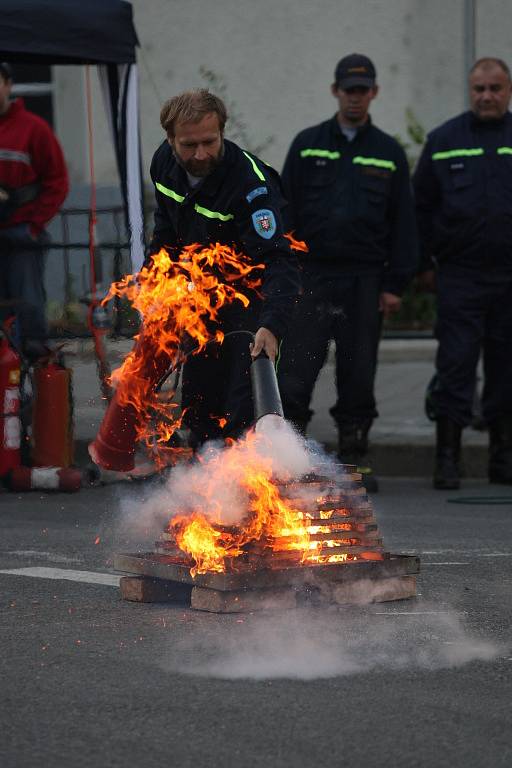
<point x="264" y="223"/>
<point x="256" y="193"/>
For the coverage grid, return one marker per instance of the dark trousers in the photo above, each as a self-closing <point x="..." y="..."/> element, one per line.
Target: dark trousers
<point x="344" y="308"/>
<point x="22" y="262"/>
<point x="474" y="315"/>
<point x="216" y="384"/>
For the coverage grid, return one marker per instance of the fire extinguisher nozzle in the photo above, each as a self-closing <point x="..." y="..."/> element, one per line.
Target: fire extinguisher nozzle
<point x="265" y="390"/>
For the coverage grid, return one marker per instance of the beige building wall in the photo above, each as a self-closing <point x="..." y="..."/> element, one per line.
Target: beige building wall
<point x="276" y="60"/>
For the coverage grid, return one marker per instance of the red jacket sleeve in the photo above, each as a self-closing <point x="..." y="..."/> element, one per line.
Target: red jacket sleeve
<point x="50" y="168"/>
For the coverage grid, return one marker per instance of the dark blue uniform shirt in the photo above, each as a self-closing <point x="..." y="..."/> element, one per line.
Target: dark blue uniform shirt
<point x="239" y="204"/>
<point x="351" y="201"/>
<point x="463" y="189"/>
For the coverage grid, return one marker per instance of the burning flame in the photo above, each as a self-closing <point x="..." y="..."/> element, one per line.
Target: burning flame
<point x="245" y="473"/>
<point x="296" y="245"/>
<point x="268" y="523"/>
<point x="179" y="301"/>
<point x="196" y="536"/>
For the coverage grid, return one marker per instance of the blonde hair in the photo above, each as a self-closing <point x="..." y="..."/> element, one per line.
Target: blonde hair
<point x="191" y="107"/>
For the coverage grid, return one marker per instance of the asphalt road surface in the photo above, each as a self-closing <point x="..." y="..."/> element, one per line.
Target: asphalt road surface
<point x="89" y="680"/>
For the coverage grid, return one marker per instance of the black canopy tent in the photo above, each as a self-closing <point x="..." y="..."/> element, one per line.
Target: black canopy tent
<point x="97" y="32"/>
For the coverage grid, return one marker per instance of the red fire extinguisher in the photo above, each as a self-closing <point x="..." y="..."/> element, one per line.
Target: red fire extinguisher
<point x="10" y="454"/>
<point x="52" y="416"/>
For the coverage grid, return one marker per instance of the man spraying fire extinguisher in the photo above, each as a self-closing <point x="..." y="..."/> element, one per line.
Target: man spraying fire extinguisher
<point x="210" y="191"/>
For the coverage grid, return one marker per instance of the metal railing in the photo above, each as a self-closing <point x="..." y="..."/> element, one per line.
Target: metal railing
<point x="68" y="317"/>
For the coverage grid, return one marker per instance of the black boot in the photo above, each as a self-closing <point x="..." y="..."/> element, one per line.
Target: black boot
<point x="353" y="449"/>
<point x="446" y="473"/>
<point x="500" y="451"/>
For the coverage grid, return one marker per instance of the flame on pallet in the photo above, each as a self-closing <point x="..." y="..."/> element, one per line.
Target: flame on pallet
<point x="280" y="526"/>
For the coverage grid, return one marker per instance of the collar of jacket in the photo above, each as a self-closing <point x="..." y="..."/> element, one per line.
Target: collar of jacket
<point x="15" y="108"/>
<point x="488" y="125"/>
<point x="338" y="134"/>
<point x="211" y="183"/>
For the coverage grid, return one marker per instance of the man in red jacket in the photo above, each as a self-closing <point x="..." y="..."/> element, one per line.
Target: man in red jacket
<point x="33" y="186"/>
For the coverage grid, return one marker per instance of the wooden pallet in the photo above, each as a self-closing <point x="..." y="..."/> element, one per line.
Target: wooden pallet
<point x="159" y="580"/>
<point x="271" y="573"/>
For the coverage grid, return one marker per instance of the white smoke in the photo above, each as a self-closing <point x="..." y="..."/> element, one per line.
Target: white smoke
<point x="289" y="453"/>
<point x="211" y="484"/>
<point x="308" y="644"/>
<point x="305" y="643"/>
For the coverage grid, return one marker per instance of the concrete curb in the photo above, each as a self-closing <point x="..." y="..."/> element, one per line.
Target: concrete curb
<point x="400" y="351"/>
<point x="390" y="350"/>
<point x="389" y="460"/>
<point x="416" y="460"/>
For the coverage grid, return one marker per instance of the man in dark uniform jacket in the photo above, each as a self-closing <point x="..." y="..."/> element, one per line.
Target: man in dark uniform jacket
<point x="348" y="186"/>
<point x="209" y="191"/>
<point x="463" y="187"/>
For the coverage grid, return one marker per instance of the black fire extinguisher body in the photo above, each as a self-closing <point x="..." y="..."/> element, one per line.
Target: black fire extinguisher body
<point x="265" y="390"/>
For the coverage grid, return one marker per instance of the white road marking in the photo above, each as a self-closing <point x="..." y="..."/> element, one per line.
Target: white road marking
<point x="465" y="553"/>
<point x="434" y="551"/>
<point x="497" y="554"/>
<point x="448" y="563"/>
<point x="88" y="577"/>
<point x="409" y="613"/>
<point x="52" y="557"/>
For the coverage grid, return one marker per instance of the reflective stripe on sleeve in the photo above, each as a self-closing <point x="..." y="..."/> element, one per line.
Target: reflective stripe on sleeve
<point x="213" y="214"/>
<point x="320" y="153"/>
<point x="255" y="167"/>
<point x="15" y="156"/>
<point x="375" y="161"/>
<point x="169" y="192"/>
<point x="504" y="150"/>
<point x="473" y="152"/>
<point x="198" y="208"/>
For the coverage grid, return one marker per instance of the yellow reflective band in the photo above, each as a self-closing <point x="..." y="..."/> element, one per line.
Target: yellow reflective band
<point x="169" y="192"/>
<point x="198" y="208"/>
<point x="320" y="153"/>
<point x="255" y="167"/>
<point x="504" y="150"/>
<point x="213" y="214"/>
<point x="389" y="164"/>
<point x="475" y="152"/>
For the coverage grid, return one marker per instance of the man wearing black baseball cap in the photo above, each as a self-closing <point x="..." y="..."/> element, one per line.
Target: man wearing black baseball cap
<point x="348" y="186"/>
<point x="353" y="70"/>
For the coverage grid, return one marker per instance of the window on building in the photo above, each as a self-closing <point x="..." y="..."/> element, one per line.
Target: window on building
<point x="34" y="83"/>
